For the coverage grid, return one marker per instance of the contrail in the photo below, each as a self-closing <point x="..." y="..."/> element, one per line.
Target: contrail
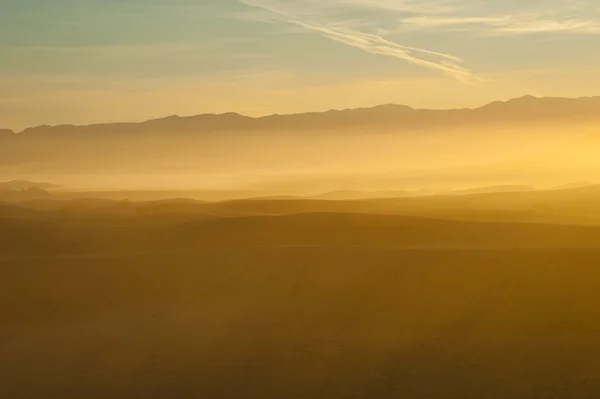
<point x="374" y="44"/>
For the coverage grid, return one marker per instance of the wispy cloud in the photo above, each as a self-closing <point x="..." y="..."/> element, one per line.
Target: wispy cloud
<point x="548" y="26"/>
<point x="320" y="17"/>
<point x="502" y="24"/>
<point x="430" y="7"/>
<point x="490" y="17"/>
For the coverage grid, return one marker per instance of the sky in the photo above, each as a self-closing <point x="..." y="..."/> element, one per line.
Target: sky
<point x="88" y="61"/>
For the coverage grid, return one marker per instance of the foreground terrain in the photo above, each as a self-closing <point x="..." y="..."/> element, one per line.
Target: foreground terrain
<point x="180" y="303"/>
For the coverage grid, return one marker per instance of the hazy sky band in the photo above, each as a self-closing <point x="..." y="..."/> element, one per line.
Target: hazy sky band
<point x="73" y="61"/>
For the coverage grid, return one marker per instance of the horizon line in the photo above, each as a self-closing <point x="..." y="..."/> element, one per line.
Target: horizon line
<point x="295" y="113"/>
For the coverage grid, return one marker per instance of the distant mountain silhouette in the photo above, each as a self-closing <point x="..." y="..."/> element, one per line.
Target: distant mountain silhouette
<point x="578" y="184"/>
<point x="359" y="195"/>
<point x="527" y="108"/>
<point x="6" y="133"/>
<point x="491" y="190"/>
<point x="353" y="141"/>
<point x="16" y="185"/>
<point x="25" y="194"/>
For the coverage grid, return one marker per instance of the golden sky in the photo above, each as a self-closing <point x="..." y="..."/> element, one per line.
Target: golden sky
<point x="73" y="61"/>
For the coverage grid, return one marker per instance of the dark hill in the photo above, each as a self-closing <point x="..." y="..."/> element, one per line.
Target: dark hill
<point x="46" y="235"/>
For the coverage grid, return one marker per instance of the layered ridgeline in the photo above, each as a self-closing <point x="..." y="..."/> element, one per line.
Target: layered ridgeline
<point x="235" y="150"/>
<point x="577" y="205"/>
<point x="488" y="292"/>
<point x="519" y="110"/>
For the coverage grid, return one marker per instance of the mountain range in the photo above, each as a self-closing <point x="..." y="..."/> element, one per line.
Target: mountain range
<point x="519" y="110"/>
<point x="523" y="141"/>
<point x="16" y="185"/>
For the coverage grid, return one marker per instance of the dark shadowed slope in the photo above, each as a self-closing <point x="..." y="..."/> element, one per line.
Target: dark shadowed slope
<point x="579" y="205"/>
<point x="318" y="323"/>
<point x="575" y="205"/>
<point x="104" y="299"/>
<point x="74" y="234"/>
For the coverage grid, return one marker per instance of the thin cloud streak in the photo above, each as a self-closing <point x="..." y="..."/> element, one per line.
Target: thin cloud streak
<point x="442" y="15"/>
<point x="506" y="24"/>
<point x="377" y="45"/>
<point x="405" y="6"/>
<point x="371" y="43"/>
